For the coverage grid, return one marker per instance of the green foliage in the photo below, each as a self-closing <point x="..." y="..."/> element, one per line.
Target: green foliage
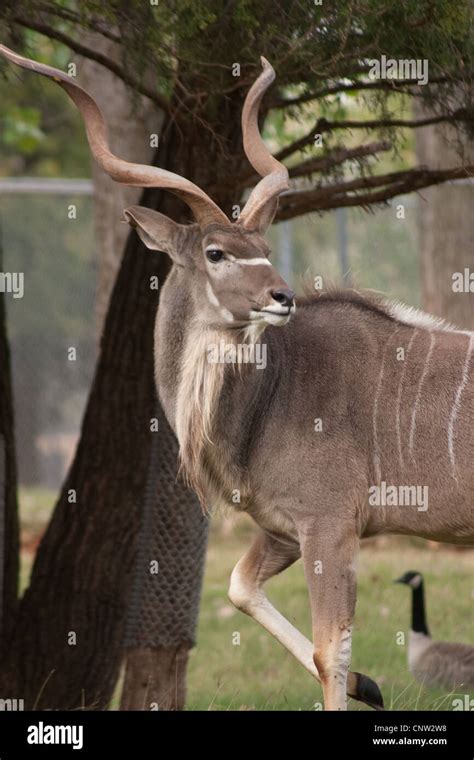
<point x="187" y="48"/>
<point x="308" y="43"/>
<point x="21" y="129"/>
<point x="41" y="133"/>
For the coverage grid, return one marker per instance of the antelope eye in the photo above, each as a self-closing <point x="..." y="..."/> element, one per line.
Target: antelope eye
<point x="214" y="255"/>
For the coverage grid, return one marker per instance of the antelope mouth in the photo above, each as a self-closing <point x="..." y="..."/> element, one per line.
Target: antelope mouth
<point x="272" y="311"/>
<point x="273" y="315"/>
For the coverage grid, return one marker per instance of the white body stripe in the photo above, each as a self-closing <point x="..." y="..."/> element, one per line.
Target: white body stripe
<point x="418" y="393"/>
<point x="399" y="400"/>
<point x="377" y="469"/>
<point x="457" y="404"/>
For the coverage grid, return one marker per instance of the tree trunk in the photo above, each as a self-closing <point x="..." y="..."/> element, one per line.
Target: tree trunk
<point x="134" y="123"/>
<point x="9" y="533"/>
<point x="67" y="645"/>
<point x="446" y="230"/>
<point x="131" y="121"/>
<point x="68" y="642"/>
<point x="155" y="679"/>
<point x="166" y="586"/>
<point x="28" y="405"/>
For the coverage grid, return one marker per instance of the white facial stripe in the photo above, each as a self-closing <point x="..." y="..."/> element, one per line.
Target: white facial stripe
<point x="255" y="262"/>
<point x="225" y="313"/>
<point x="211" y="295"/>
<point x="260" y="261"/>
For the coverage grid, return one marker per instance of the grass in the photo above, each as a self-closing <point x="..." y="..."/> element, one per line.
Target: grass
<point x="36" y="506"/>
<point x="257" y="673"/>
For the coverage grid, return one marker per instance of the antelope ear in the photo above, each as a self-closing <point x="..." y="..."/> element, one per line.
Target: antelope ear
<point x="159" y="233"/>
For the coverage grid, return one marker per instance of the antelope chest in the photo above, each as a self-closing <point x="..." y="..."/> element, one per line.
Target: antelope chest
<point x="225" y="486"/>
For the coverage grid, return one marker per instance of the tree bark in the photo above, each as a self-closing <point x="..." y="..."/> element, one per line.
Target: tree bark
<point x="155" y="679"/>
<point x="131" y="120"/>
<point x="28" y="404"/>
<point x="9" y="531"/>
<point x="446" y="229"/>
<point x="166" y="586"/>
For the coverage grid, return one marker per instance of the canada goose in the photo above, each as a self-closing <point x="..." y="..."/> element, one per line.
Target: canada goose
<point x="434" y="663"/>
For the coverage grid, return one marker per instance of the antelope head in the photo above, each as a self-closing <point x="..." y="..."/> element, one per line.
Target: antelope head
<point x="234" y="283"/>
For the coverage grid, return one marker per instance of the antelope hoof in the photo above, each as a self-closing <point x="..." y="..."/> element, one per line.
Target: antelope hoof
<point x="368" y="692"/>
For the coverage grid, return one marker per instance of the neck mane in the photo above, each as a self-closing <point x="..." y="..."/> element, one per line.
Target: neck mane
<point x="383" y="307"/>
<point x="200" y="390"/>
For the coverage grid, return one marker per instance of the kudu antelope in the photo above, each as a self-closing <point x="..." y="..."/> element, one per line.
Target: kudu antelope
<point x="384" y="423"/>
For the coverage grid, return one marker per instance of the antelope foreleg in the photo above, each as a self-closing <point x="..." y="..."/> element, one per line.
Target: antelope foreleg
<point x="268" y="557"/>
<point x="329" y="563"/>
<point x="247" y="595"/>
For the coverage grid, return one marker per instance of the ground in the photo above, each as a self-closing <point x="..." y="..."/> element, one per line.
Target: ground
<point x="257" y="673"/>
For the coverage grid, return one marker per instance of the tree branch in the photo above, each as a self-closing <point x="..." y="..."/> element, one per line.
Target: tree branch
<point x="320" y="164"/>
<point x="388" y="84"/>
<point x="75" y="18"/>
<point x="337" y="157"/>
<point x="297" y="202"/>
<point x="323" y="125"/>
<point x="52" y="33"/>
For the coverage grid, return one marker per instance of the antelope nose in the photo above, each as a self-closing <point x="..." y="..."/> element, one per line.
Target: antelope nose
<point x="283" y="296"/>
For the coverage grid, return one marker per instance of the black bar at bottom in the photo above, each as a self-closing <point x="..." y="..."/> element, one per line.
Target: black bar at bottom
<point x="151" y="734"/>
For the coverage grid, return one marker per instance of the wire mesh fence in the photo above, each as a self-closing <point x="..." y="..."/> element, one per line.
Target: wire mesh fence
<point x="49" y="284"/>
